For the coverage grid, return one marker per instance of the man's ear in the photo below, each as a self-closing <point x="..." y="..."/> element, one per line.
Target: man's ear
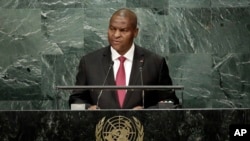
<point x="136" y="32"/>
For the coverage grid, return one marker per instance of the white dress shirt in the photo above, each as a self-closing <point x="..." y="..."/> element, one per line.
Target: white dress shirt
<point x="127" y="64"/>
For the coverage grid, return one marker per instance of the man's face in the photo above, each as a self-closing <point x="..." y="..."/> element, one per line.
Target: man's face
<point x="121" y="34"/>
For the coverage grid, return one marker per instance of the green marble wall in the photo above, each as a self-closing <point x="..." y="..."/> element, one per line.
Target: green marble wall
<point x="206" y="44"/>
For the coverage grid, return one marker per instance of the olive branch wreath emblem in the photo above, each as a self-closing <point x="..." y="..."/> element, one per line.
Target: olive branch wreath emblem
<point x="137" y="123"/>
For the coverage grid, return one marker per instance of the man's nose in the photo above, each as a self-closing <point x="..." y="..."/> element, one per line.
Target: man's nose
<point x="117" y="33"/>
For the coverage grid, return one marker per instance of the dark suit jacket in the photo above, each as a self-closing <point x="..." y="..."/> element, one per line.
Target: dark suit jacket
<point x="94" y="67"/>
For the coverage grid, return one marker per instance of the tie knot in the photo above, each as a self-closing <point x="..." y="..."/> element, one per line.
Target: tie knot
<point x="122" y="59"/>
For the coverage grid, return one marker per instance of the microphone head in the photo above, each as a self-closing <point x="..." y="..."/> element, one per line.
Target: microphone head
<point x="141" y="62"/>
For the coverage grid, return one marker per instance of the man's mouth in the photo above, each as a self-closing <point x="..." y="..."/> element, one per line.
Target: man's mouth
<point x="116" y="42"/>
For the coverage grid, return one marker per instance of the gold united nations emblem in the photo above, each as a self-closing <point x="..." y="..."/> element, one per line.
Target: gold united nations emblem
<point x="119" y="128"/>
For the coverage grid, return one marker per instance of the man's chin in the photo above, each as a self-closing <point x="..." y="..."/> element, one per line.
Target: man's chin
<point x="116" y="47"/>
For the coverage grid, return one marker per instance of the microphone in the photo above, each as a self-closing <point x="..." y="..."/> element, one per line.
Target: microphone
<point x="141" y="76"/>
<point x="105" y="79"/>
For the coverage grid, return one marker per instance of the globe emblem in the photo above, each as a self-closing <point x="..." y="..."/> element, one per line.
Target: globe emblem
<point x="119" y="128"/>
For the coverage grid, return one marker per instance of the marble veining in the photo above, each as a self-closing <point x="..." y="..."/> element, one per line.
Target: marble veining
<point x="205" y="42"/>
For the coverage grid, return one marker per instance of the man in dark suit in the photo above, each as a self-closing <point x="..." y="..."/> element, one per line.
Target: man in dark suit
<point x="94" y="68"/>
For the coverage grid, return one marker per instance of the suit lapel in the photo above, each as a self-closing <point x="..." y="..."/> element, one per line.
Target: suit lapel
<point x="135" y="72"/>
<point x="106" y="60"/>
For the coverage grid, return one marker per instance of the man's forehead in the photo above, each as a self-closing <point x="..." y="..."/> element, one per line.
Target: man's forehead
<point x="124" y="19"/>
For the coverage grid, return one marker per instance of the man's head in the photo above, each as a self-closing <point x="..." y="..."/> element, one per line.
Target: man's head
<point x="122" y="30"/>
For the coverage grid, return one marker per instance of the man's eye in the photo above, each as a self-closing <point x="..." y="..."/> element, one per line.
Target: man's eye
<point x="123" y="30"/>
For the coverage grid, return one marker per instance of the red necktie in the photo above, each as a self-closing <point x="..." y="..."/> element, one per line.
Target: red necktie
<point x="121" y="80"/>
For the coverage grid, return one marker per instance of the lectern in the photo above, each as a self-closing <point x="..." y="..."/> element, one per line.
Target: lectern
<point x="111" y="87"/>
<point x="130" y="125"/>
